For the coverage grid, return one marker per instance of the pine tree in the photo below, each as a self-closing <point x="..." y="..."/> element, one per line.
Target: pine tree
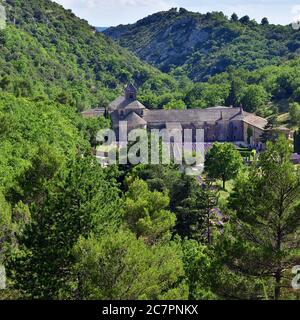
<point x="267" y="224"/>
<point x="264" y="21"/>
<point x="194" y="213"/>
<point x="297" y="141"/>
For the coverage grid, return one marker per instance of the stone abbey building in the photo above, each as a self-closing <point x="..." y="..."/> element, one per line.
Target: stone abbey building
<point x="224" y="124"/>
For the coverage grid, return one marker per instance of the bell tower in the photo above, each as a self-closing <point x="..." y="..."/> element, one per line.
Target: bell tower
<point x="130" y="92"/>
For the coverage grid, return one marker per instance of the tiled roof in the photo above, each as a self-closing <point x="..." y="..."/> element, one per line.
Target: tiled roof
<point x="173" y="125"/>
<point x="134" y="119"/>
<point x="191" y="115"/>
<point x="255" y="121"/>
<point x="114" y="105"/>
<point x="134" y="105"/>
<point x="194" y="116"/>
<point x="123" y="103"/>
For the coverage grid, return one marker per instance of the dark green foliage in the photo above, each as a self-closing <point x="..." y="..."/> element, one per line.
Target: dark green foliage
<point x="206" y="44"/>
<point x="234" y="17"/>
<point x="271" y="132"/>
<point x="235" y="94"/>
<point x="60" y="56"/>
<point x="266" y="71"/>
<point x="297" y="142"/>
<point x="268" y="218"/>
<point x="194" y="213"/>
<point x="264" y="21"/>
<point x="223" y="161"/>
<point x="117" y="266"/>
<point x="203" y="95"/>
<point x="146" y="214"/>
<point x="245" y="19"/>
<point x="254" y="98"/>
<point x="294" y="110"/>
<point x="52" y="191"/>
<point x="85" y="201"/>
<point x="70" y="229"/>
<point x="200" y="270"/>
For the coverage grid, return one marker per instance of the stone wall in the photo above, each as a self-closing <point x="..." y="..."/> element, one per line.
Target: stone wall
<point x="256" y="134"/>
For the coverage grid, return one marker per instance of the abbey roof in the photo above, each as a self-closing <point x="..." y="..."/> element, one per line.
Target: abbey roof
<point x="194" y="116"/>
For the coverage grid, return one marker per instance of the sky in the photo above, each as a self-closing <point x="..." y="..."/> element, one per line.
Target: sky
<point x="105" y="13"/>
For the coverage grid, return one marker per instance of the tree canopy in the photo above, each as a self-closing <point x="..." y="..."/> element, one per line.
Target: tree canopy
<point x="223" y="162"/>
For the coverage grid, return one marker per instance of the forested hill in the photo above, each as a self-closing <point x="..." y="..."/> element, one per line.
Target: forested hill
<point x="206" y="44"/>
<point x="48" y="51"/>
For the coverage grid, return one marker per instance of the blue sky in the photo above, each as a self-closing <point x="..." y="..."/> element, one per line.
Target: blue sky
<point x="114" y="12"/>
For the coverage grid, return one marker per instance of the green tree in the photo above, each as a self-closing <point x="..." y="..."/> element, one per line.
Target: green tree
<point x="271" y="132"/>
<point x="175" y="104"/>
<point x="297" y="141"/>
<point x="245" y="19"/>
<point x="194" y="213"/>
<point x="249" y="134"/>
<point x="119" y="266"/>
<point x="64" y="98"/>
<point x="81" y="203"/>
<point x="5" y="83"/>
<point x="294" y="111"/>
<point x="204" y="95"/>
<point x="264" y="21"/>
<point x="223" y="162"/>
<point x="234" y="17"/>
<point x="234" y="97"/>
<point x="254" y="97"/>
<point x="266" y="228"/>
<point x="199" y="269"/>
<point x="146" y="214"/>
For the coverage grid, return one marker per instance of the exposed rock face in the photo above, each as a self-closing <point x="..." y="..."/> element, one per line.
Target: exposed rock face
<point x="203" y="44"/>
<point x="164" y="43"/>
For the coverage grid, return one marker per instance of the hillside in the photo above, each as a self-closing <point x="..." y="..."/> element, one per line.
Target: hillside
<point x="48" y="51"/>
<point x="206" y="44"/>
<point x="71" y="229"/>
